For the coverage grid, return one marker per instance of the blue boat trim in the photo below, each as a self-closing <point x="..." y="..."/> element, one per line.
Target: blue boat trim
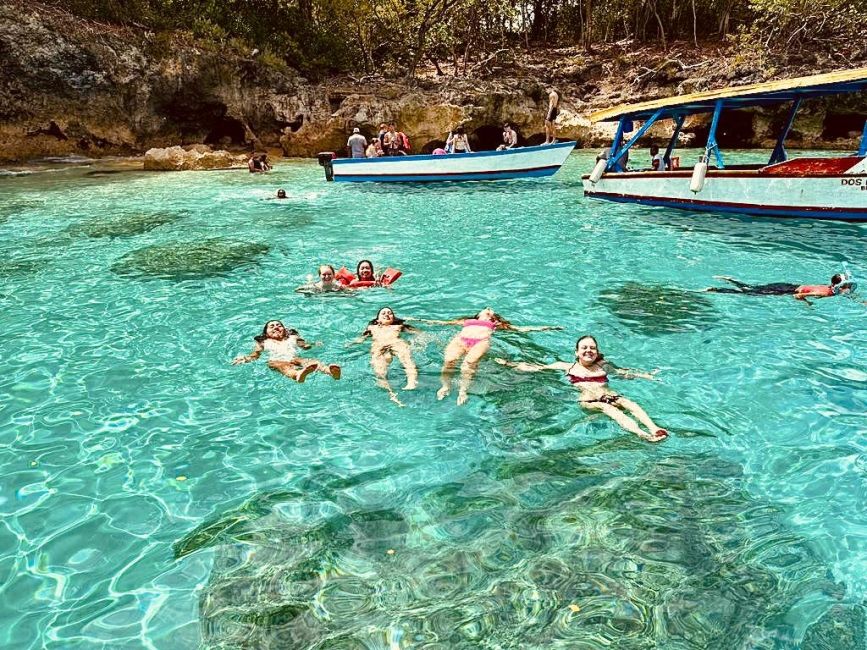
<point x="847" y="214"/>
<point x="536" y="172"/>
<point x="476" y="154"/>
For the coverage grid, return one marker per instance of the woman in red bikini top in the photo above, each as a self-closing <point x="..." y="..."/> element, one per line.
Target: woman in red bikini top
<point x="589" y="373"/>
<point x="471" y="343"/>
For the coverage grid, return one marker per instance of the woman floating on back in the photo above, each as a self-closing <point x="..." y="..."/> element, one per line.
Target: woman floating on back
<point x="385" y="331"/>
<point x="471" y="343"/>
<point x="282" y="345"/>
<point x="589" y="373"/>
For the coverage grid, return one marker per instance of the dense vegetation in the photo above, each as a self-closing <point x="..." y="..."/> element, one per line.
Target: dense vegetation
<point x="397" y="37"/>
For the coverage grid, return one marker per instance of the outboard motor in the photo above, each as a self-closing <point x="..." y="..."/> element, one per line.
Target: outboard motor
<point x="325" y="158"/>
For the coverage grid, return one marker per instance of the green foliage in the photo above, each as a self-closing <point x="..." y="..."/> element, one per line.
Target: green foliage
<point x="462" y="36"/>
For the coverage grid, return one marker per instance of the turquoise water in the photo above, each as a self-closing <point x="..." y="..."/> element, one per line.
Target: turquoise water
<point x="154" y="496"/>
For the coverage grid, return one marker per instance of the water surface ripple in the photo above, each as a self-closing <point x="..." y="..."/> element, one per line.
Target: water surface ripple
<point x="154" y="496"/>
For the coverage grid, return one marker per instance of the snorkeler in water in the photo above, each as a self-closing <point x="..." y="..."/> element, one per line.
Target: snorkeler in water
<point x="471" y="343"/>
<point x="840" y="283"/>
<point x="589" y="374"/>
<point x="385" y="331"/>
<point x="282" y="345"/>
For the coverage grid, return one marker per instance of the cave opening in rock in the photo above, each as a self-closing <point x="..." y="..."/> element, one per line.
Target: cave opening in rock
<point x="842" y="125"/>
<point x="428" y="147"/>
<point x="735" y="129"/>
<point x="486" y="138"/>
<point x="532" y="141"/>
<point x="296" y="124"/>
<point x="227" y="130"/>
<point x="335" y="101"/>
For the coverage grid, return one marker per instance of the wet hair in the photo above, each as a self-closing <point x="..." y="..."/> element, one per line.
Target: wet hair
<point x="497" y="318"/>
<point x="261" y="338"/>
<point x="358" y="268"/>
<point x="506" y="125"/>
<point x="599" y="355"/>
<point x="324" y="266"/>
<point x="836" y="279"/>
<point x="397" y="321"/>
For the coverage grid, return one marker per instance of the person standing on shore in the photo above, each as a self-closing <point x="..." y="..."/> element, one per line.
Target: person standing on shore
<point x="551" y="116"/>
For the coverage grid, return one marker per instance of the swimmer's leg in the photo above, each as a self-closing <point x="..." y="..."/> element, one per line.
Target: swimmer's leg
<point x="731" y="280"/>
<point x="453" y="352"/>
<point x="619" y="417"/>
<point x="380" y="360"/>
<point x="297" y="369"/>
<point x="469" y="367"/>
<point x="642" y="416"/>
<point x="405" y="355"/>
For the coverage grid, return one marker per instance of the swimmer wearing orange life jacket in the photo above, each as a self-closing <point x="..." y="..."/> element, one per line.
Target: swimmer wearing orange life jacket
<point x="365" y="277"/>
<point x="839" y="284"/>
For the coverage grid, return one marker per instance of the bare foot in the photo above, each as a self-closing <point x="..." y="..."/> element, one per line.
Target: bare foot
<point x="442" y="392"/>
<point x="661" y="434"/>
<point x="334" y="371"/>
<point x="394" y="398"/>
<point x="411" y="385"/>
<point x="305" y="372"/>
<point x="462" y="398"/>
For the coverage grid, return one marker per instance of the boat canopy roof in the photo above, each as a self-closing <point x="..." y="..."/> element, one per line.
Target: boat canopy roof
<point x="772" y="92"/>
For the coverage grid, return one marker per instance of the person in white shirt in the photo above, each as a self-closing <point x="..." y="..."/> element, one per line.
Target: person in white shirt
<point x="356" y="144"/>
<point x="282" y="346"/>
<point x="657" y="160"/>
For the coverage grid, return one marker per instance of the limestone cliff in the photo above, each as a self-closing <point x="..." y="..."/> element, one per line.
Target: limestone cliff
<point x="73" y="86"/>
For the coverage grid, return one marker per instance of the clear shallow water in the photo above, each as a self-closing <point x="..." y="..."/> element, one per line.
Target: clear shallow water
<point x="517" y="521"/>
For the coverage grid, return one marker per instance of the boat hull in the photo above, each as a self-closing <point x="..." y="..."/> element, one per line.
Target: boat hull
<point x="827" y="188"/>
<point x="525" y="162"/>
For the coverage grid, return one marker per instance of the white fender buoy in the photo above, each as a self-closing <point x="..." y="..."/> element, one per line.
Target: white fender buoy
<point x="696" y="183"/>
<point x="598" y="170"/>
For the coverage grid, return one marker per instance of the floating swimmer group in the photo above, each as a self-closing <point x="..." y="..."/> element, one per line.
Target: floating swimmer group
<point x="387" y="333"/>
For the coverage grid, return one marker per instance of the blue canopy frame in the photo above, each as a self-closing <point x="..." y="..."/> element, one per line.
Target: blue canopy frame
<point x="677" y="108"/>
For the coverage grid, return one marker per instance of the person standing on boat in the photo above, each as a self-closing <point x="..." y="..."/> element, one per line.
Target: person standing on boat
<point x="840" y="283"/>
<point x="392" y="143"/>
<point x="589" y="374"/>
<point x="551" y="116"/>
<point x="356" y="144"/>
<point x="458" y="142"/>
<point x="510" y="138"/>
<point x="657" y="161"/>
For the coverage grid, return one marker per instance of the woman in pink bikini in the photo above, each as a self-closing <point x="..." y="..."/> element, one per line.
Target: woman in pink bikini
<point x="471" y="343"/>
<point x="589" y="373"/>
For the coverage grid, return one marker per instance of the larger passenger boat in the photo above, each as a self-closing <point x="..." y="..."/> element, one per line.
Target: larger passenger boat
<point x="825" y="187"/>
<point x="520" y="162"/>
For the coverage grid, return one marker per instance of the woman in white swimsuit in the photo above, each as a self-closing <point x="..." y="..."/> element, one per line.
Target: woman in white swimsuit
<point x="282" y="346"/>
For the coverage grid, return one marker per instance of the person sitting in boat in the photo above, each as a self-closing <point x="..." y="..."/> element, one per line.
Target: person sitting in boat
<point x="458" y="142"/>
<point x="385" y="331"/>
<point x="471" y="343"/>
<point x="282" y="346"/>
<point x="840" y="283"/>
<point x="327" y="282"/>
<point x="589" y="374"/>
<point x="510" y="138"/>
<point x="657" y="160"/>
<point x="439" y="151"/>
<point x="374" y="149"/>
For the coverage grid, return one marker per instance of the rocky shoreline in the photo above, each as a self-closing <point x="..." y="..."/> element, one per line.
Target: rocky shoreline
<point x="77" y="87"/>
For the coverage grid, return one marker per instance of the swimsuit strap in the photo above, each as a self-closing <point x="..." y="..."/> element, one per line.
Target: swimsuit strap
<point x="471" y="322"/>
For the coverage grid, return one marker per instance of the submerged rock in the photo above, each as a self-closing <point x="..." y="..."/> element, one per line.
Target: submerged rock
<point x="189" y="260"/>
<point x="657" y="309"/>
<point x="121" y="225"/>
<point x="180" y="159"/>
<point x="673" y="554"/>
<point x="841" y="628"/>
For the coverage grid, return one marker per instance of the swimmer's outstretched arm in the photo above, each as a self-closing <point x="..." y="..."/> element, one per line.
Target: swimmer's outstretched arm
<point x="456" y="321"/>
<point x="531" y="328"/>
<point x="360" y="338"/>
<point x="631" y="373"/>
<point x="246" y="358"/>
<point x="523" y="366"/>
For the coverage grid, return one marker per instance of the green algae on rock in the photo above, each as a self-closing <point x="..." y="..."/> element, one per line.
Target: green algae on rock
<point x="655" y="309"/>
<point x="121" y="225"/>
<point x="189" y="260"/>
